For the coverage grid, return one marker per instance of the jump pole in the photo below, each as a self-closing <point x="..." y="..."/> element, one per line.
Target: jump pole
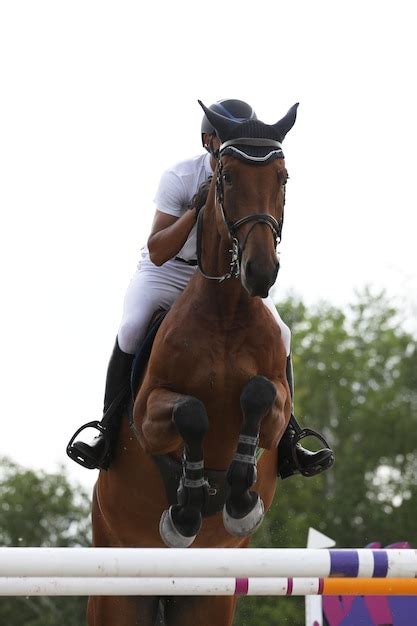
<point x="206" y="563"/>
<point x="119" y="586"/>
<point x="314" y="603"/>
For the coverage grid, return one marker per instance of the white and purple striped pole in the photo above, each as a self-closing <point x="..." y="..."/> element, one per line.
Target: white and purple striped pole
<point x="208" y="562"/>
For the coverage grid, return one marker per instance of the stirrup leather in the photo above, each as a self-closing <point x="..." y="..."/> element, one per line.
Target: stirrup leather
<point x="75" y="455"/>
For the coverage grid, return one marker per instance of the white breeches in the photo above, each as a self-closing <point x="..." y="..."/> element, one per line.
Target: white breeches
<point x="285" y="330"/>
<point x="155" y="287"/>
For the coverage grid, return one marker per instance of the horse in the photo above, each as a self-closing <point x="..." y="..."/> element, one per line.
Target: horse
<point x="214" y="391"/>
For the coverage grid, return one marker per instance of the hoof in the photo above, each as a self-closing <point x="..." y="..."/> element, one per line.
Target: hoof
<point x="245" y="525"/>
<point x="169" y="533"/>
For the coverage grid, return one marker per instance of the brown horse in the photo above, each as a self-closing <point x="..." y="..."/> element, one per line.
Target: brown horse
<point x="214" y="389"/>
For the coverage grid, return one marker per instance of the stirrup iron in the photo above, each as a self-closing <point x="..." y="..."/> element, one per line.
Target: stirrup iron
<point x="75" y="455"/>
<point x="296" y="437"/>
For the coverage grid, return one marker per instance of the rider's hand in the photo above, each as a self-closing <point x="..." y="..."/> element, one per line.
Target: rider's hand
<point x="199" y="199"/>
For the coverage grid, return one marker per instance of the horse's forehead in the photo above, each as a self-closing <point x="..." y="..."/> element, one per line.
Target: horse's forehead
<point x="252" y="167"/>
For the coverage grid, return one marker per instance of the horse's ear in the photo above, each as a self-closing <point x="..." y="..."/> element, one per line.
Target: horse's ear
<point x="287" y="122"/>
<point x="223" y="125"/>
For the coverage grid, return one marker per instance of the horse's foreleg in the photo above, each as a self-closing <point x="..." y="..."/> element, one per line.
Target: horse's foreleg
<point x="180" y="525"/>
<point x="186" y="423"/>
<point x="243" y="511"/>
<point x="155" y="427"/>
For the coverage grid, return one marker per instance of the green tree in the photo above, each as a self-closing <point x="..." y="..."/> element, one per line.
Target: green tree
<point x="356" y="382"/>
<point x="41" y="509"/>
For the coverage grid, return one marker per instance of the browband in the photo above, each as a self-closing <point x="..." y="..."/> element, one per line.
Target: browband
<point x="250" y="141"/>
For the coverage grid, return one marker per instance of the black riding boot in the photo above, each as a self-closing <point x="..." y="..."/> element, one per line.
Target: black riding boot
<point x="98" y="454"/>
<point x="292" y="457"/>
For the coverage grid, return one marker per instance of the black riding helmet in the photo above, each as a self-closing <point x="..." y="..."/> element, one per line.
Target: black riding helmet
<point x="235" y="109"/>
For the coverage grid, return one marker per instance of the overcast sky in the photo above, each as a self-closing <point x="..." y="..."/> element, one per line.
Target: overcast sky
<point x="98" y="98"/>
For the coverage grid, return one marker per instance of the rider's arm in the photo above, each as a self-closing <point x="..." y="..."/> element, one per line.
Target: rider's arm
<point x="169" y="234"/>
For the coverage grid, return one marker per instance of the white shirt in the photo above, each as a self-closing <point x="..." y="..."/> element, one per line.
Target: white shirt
<point x="176" y="190"/>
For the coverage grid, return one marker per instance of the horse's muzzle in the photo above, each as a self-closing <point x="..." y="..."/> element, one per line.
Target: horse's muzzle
<point x="258" y="280"/>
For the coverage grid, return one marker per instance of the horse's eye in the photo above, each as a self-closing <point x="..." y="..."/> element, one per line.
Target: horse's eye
<point x="227" y="178"/>
<point x="283" y="177"/>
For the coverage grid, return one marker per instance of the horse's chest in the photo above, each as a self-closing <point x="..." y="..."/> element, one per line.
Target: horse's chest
<point x="219" y="360"/>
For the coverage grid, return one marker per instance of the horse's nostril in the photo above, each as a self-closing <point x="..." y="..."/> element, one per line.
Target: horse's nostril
<point x="258" y="279"/>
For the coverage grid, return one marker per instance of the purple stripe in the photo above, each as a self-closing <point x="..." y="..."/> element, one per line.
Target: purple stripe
<point x="290" y="585"/>
<point x="380" y="564"/>
<point x="241" y="586"/>
<point x="321" y="587"/>
<point x="344" y="563"/>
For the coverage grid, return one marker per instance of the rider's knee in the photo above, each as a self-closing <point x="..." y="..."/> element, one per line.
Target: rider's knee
<point x="129" y="336"/>
<point x="286" y="336"/>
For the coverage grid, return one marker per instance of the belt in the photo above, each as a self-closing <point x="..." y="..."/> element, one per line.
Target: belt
<point x="192" y="262"/>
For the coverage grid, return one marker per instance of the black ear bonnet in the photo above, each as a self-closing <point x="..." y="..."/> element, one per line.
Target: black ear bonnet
<point x="251" y="140"/>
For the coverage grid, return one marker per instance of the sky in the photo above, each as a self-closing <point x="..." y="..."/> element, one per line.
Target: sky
<point x="99" y="98"/>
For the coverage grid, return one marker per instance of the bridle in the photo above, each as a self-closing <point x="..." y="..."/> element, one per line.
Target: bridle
<point x="237" y="249"/>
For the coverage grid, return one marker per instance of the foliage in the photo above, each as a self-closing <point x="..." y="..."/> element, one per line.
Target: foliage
<point x="40" y="509"/>
<point x="356" y="382"/>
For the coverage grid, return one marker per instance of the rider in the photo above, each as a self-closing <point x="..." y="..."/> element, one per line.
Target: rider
<point x="165" y="267"/>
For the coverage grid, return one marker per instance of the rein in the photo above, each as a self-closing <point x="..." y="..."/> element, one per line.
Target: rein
<point x="236" y="249"/>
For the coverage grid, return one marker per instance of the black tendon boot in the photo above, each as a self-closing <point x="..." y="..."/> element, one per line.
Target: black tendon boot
<point x="292" y="457"/>
<point x="98" y="454"/>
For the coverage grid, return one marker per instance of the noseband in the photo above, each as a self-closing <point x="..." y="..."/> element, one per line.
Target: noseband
<point x="236" y="249"/>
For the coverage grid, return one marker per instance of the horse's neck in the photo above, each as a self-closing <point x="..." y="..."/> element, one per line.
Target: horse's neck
<point x="227" y="299"/>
